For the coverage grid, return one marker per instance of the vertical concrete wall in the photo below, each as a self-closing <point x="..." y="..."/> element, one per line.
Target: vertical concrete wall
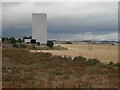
<point x="39" y="27"/>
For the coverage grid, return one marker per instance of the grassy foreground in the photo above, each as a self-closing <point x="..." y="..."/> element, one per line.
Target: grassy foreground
<point x="23" y="69"/>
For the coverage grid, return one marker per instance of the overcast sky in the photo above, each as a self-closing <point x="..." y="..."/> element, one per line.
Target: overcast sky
<point x="66" y="21"/>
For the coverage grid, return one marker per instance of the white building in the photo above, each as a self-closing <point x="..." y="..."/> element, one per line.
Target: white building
<point x="27" y="40"/>
<point x="39" y="27"/>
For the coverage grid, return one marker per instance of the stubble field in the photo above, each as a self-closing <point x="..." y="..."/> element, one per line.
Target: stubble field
<point x="104" y="52"/>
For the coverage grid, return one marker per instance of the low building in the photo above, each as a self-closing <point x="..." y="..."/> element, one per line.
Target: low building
<point x="27" y="40"/>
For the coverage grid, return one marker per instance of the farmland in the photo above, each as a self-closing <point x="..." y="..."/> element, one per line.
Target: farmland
<point x="24" y="69"/>
<point x="103" y="52"/>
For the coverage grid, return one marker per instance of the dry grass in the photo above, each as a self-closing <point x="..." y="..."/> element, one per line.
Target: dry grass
<point x="105" y="53"/>
<point x="24" y="69"/>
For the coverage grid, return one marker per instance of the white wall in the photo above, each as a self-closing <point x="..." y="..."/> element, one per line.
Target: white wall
<point x="39" y="27"/>
<point x="27" y="40"/>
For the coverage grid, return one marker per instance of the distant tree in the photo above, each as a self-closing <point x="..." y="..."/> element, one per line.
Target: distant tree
<point x="3" y="39"/>
<point x="7" y="39"/>
<point x="12" y="40"/>
<point x="50" y="43"/>
<point x="68" y="42"/>
<point x="15" y="45"/>
<point x="19" y="40"/>
<point x="38" y="43"/>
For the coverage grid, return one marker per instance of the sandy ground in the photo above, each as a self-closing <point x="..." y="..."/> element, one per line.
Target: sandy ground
<point x="105" y="53"/>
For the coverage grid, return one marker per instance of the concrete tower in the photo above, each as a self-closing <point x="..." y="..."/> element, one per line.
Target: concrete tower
<point x="39" y="27"/>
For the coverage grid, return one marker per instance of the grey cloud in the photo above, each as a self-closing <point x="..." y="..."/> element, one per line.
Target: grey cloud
<point x="11" y="4"/>
<point x="86" y="36"/>
<point x="63" y="18"/>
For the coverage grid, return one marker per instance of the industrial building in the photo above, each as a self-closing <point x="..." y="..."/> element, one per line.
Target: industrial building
<point x="39" y="27"/>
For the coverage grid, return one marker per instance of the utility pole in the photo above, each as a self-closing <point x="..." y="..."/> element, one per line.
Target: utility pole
<point x="58" y="41"/>
<point x="89" y="46"/>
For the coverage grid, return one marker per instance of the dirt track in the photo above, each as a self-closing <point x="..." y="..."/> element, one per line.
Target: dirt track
<point x="105" y="53"/>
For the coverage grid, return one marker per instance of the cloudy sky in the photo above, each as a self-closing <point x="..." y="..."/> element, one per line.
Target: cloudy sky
<point x="66" y="21"/>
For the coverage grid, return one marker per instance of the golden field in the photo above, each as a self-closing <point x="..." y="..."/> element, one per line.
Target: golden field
<point x="104" y="52"/>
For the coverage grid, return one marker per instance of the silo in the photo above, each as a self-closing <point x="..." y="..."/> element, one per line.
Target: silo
<point x="39" y="27"/>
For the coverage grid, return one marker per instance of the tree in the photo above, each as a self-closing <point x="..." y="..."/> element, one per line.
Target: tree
<point x="38" y="43"/>
<point x="3" y="39"/>
<point x="68" y="42"/>
<point x="12" y="40"/>
<point x="15" y="45"/>
<point x="50" y="43"/>
<point x="19" y="40"/>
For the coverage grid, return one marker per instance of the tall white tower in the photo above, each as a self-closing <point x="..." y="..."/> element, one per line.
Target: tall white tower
<point x="39" y="27"/>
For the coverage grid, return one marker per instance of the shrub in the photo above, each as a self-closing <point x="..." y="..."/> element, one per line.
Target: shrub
<point x="22" y="46"/>
<point x="38" y="43"/>
<point x="68" y="42"/>
<point x="111" y="63"/>
<point x="93" y="61"/>
<point x="117" y="65"/>
<point x="19" y="40"/>
<point x="79" y="59"/>
<point x="15" y="45"/>
<point x="50" y="43"/>
<point x="3" y="39"/>
<point x="33" y="47"/>
<point x="12" y="40"/>
<point x="59" y="73"/>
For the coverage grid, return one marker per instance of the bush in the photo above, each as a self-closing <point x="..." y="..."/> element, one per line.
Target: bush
<point x="93" y="62"/>
<point x="50" y="43"/>
<point x="22" y="46"/>
<point x="79" y="59"/>
<point x="111" y="63"/>
<point x="33" y="47"/>
<point x="59" y="73"/>
<point x="38" y="43"/>
<point x="19" y="40"/>
<point x="12" y="40"/>
<point x="3" y="39"/>
<point x="68" y="42"/>
<point x="15" y="45"/>
<point x="117" y="65"/>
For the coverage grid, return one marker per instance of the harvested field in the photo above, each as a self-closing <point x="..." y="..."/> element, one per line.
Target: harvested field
<point x="103" y="52"/>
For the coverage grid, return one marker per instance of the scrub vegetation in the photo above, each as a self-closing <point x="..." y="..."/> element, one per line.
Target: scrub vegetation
<point x="24" y="69"/>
